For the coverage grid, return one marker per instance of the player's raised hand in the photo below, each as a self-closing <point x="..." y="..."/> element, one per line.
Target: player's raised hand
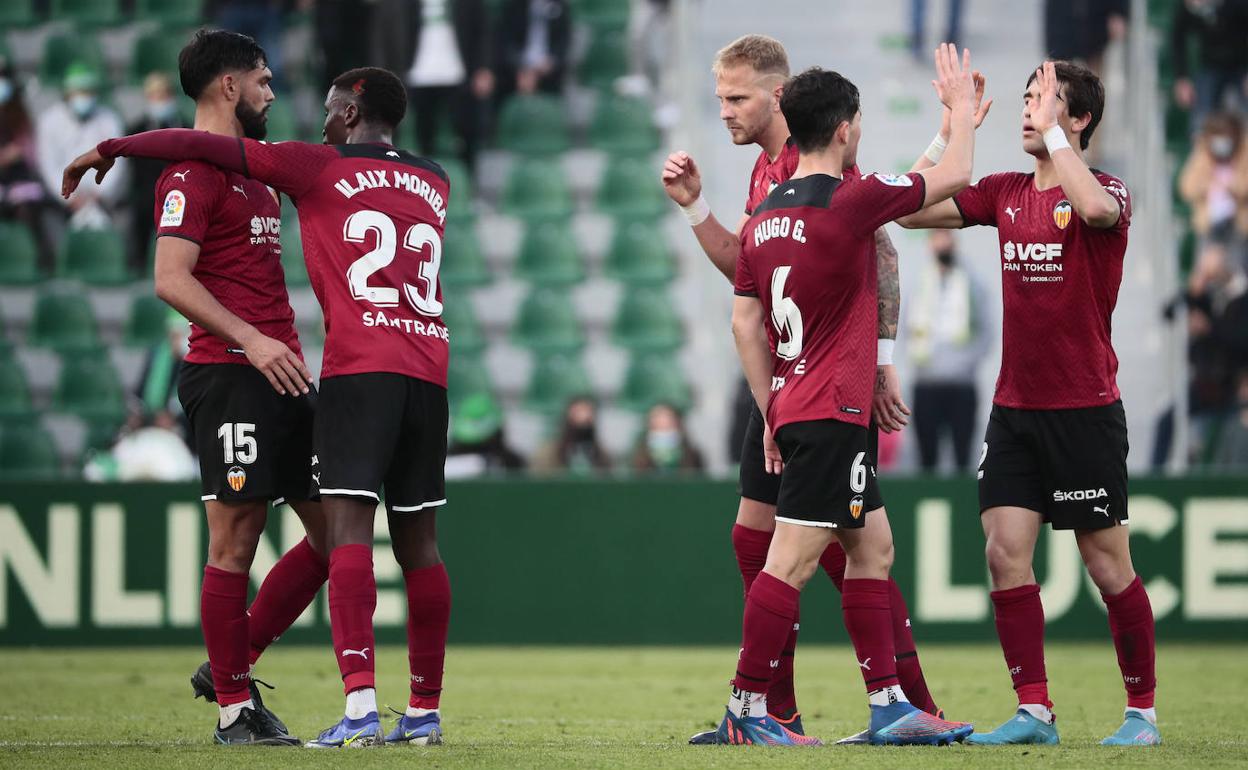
<point x="887" y="407"/>
<point x="981" y="106"/>
<point x="772" y="461"/>
<point x="91" y="159"/>
<point x="681" y="178"/>
<point x="954" y="81"/>
<point x="1043" y="111"/>
<point x="278" y="363"/>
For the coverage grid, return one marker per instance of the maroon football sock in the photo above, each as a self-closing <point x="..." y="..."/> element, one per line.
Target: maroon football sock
<point x="865" y="605"/>
<point x="428" y="616"/>
<point x="352" y="601"/>
<point x="750" y="546"/>
<point x="1131" y="623"/>
<point x="770" y="610"/>
<point x="781" y="697"/>
<point x="833" y="562"/>
<point x="909" y="670"/>
<point x="286" y="592"/>
<point x="1020" y="627"/>
<point x="223" y="615"/>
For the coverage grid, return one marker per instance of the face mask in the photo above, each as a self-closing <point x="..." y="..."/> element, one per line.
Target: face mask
<point x="82" y="105"/>
<point x="6" y="90"/>
<point x="1221" y="146"/>
<point x="159" y="112"/>
<point x="664" y="446"/>
<point x="945" y="258"/>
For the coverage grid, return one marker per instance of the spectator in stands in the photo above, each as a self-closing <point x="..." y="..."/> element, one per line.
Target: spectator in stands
<point x="664" y="446"/>
<point x="22" y="196"/>
<point x="919" y="47"/>
<point x="358" y="33"/>
<point x="261" y="20"/>
<point x="80" y="120"/>
<point x="576" y="448"/>
<point x="1217" y="314"/>
<point x="1080" y="30"/>
<point x="533" y="42"/>
<point x="160" y="110"/>
<point x="154" y="401"/>
<point x="1220" y="30"/>
<point x="948" y="337"/>
<point x="478" y="447"/>
<point x="1232" y="449"/>
<point x="1214" y="182"/>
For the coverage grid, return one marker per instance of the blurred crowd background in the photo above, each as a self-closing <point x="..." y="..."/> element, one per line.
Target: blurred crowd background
<point x="571" y="287"/>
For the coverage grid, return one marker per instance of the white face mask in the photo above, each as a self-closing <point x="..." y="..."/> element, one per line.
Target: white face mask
<point x="81" y="104"/>
<point x="161" y="111"/>
<point x="1221" y="146"/>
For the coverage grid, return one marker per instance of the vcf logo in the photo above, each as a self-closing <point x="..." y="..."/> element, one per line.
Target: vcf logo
<point x="1061" y="214"/>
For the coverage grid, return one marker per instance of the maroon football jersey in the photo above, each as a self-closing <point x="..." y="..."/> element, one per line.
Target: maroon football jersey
<point x="808" y="254"/>
<point x="237" y="223"/>
<point x="371" y="218"/>
<point x="1059" y="280"/>
<point x="768" y="173"/>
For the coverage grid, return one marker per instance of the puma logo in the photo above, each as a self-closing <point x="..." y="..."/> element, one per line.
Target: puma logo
<point x="865" y="664"/>
<point x="182" y="174"/>
<point x="240" y="190"/>
<point x="1012" y="212"/>
<point x="1104" y="510"/>
<point x="362" y="653"/>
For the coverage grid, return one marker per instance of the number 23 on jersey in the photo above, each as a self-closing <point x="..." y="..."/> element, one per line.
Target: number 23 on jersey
<point x="422" y="298"/>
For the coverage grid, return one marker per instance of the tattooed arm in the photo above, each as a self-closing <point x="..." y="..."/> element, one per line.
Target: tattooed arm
<point x="889" y="410"/>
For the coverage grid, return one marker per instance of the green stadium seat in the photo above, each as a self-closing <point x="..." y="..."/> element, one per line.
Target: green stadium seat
<point x="631" y="190"/>
<point x="467" y="339"/>
<point x="547" y="323"/>
<point x="548" y="256"/>
<point x="15" y="403"/>
<point x="19" y="257"/>
<point x="653" y="379"/>
<point x="89" y="388"/>
<point x="463" y="262"/>
<point x="623" y="125"/>
<point x="27" y="453"/>
<point x="467" y="376"/>
<point x="156" y="52"/>
<point x="171" y="13"/>
<point x="533" y="124"/>
<point x="293" y="266"/>
<point x="639" y="255"/>
<point x="537" y="189"/>
<point x="88" y="13"/>
<point x="62" y="50"/>
<point x="613" y="13"/>
<point x="17" y="13"/>
<point x="606" y="61"/>
<point x="63" y="322"/>
<point x="647" y="321"/>
<point x="283" y="125"/>
<point x="556" y="380"/>
<point x="461" y="208"/>
<point x="96" y="257"/>
<point x="148" y="322"/>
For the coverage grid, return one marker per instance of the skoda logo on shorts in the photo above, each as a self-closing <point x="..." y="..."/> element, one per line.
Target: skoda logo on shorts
<point x="237" y="477"/>
<point x="855" y="507"/>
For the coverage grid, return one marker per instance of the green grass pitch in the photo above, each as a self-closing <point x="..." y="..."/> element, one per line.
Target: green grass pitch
<point x="601" y="707"/>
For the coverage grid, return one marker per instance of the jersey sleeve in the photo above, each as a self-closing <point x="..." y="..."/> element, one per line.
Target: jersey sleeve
<point x="1118" y="190"/>
<point x="880" y="198"/>
<point x="978" y="203"/>
<point x="743" y="279"/>
<point x="187" y="195"/>
<point x="288" y="167"/>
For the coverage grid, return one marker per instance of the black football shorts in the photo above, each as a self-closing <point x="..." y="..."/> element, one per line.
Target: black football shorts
<point x="829" y="475"/>
<point x="1069" y="465"/>
<point x="382" y="430"/>
<point x="252" y="442"/>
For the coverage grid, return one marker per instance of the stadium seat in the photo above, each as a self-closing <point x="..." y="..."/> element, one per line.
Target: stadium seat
<point x="461" y="209"/>
<point x="623" y="125"/>
<point x="547" y="323"/>
<point x="461" y="321"/>
<point x="606" y="61"/>
<point x="293" y="266"/>
<point x="63" y="322"/>
<point x="171" y="13"/>
<point x="601" y="12"/>
<point x="283" y="125"/>
<point x="653" y="379"/>
<point x="87" y="13"/>
<point x="148" y="322"/>
<point x="19" y="257"/>
<point x="548" y="256"/>
<point x="17" y="13"/>
<point x="463" y="262"/>
<point x="62" y="50"/>
<point x="533" y="124"/>
<point x="89" y="388"/>
<point x="94" y="256"/>
<point x="537" y="189"/>
<point x="467" y="376"/>
<point x="639" y="255"/>
<point x="647" y="321"/>
<point x="631" y="189"/>
<point x="15" y="403"/>
<point x="27" y="453"/>
<point x="156" y="51"/>
<point x="555" y="381"/>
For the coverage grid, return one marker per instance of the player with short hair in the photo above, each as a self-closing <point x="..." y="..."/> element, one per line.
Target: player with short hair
<point x="804" y="322"/>
<point x="372" y="220"/>
<point x="244" y="386"/>
<point x="1055" y="450"/>
<point x="750" y="74"/>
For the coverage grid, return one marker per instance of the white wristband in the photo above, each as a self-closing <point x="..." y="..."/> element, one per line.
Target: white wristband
<point x="884" y="352"/>
<point x="936" y="150"/>
<point x="696" y="212"/>
<point x="1055" y="139"/>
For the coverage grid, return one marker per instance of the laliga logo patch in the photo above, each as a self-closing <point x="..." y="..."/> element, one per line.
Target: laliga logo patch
<point x="855" y="507"/>
<point x="173" y="210"/>
<point x="1061" y="214"/>
<point x="893" y="180"/>
<point x="236" y="477"/>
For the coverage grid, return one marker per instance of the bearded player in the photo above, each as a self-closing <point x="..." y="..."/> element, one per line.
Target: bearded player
<point x="371" y="217"/>
<point x="804" y="322"/>
<point x="1055" y="451"/>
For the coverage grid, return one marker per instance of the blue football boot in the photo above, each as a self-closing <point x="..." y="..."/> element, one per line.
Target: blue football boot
<point x="1022" y="728"/>
<point x="711" y="737"/>
<point x="759" y="731"/>
<point x="350" y="733"/>
<point x="903" y="724"/>
<point x="416" y="731"/>
<point x="1136" y="730"/>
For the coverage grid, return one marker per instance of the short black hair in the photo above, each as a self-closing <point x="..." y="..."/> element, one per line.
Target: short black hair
<point x="1085" y="95"/>
<point x="815" y="103"/>
<point x="378" y="93"/>
<point x="214" y="52"/>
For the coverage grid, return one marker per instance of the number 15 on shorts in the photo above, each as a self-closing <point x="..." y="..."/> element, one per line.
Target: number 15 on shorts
<point x="237" y="443"/>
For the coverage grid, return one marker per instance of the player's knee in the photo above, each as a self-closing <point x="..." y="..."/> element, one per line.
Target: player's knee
<point x="791" y="569"/>
<point x="234" y="553"/>
<point x="1109" y="572"/>
<point x="1007" y="563"/>
<point x="753" y="514"/>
